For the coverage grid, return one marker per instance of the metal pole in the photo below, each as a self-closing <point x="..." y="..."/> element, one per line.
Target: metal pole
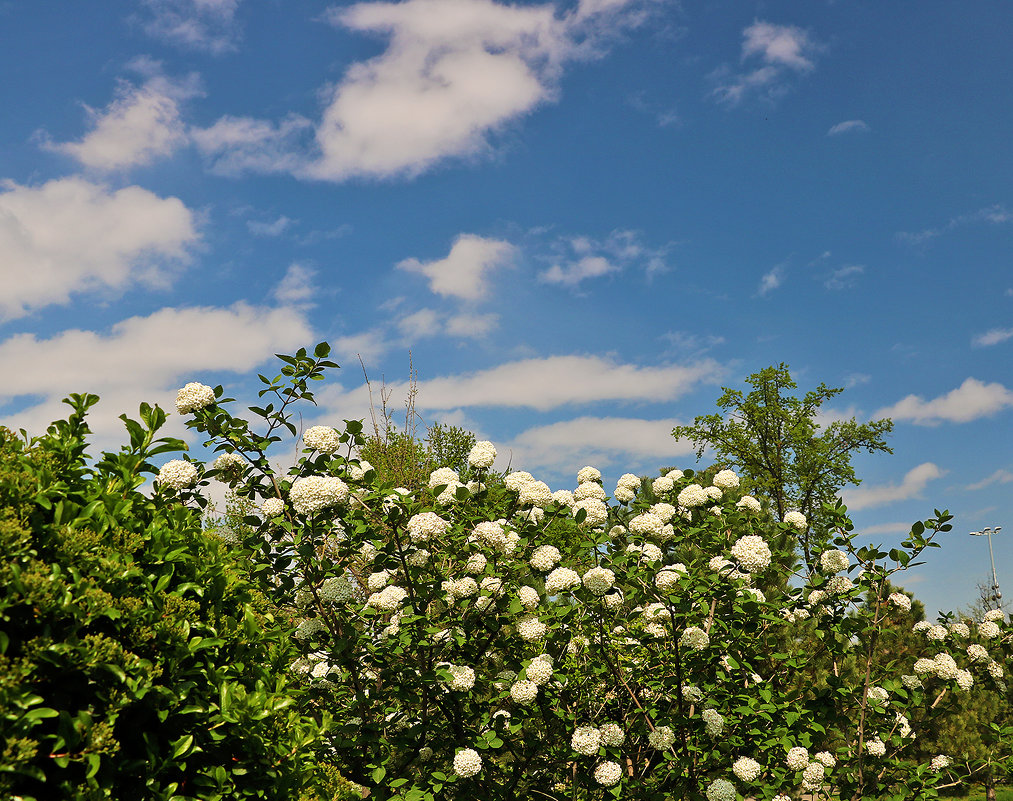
<point x="995" y="580"/>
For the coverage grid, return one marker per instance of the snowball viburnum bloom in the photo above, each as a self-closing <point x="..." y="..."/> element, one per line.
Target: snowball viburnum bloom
<point x="597" y="512"/>
<point x="713" y="722"/>
<point x="586" y="474"/>
<point x="726" y="479"/>
<point x="524" y="691"/>
<point x="586" y="740"/>
<point x="482" y="455"/>
<point x="467" y="763"/>
<point x="749" y="503"/>
<point x="796" y="519"/>
<point x="545" y="558"/>
<point x="323" y="439"/>
<point x="599" y="580"/>
<point x="646" y="525"/>
<point x="901" y="601"/>
<point x="562" y="578"/>
<point x="695" y="638"/>
<point x="589" y="489"/>
<point x="747" y="769"/>
<point x="661" y="738"/>
<point x="312" y="493"/>
<point x="272" y="507"/>
<point x="938" y="763"/>
<point x="833" y="561"/>
<point x="693" y="496"/>
<point x="612" y="734"/>
<point x="752" y="553"/>
<point x="194" y="396"/>
<point x="229" y="463"/>
<point x="180" y="474"/>
<point x="531" y="628"/>
<point x="426" y="525"/>
<point x="462" y="678"/>
<point x="721" y="790"/>
<point x="608" y="774"/>
<point x="876" y="747"/>
<point x="798" y="758"/>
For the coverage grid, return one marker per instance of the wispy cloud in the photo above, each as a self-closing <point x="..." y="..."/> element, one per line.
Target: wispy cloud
<point x="972" y="400"/>
<point x="998" y="477"/>
<point x="993" y="215"/>
<point x="772" y="280"/>
<point x="580" y="258"/>
<point x="208" y="25"/>
<point x="911" y="486"/>
<point x="780" y="50"/>
<point x="849" y="126"/>
<point x="843" y="277"/>
<point x="274" y="228"/>
<point x="994" y="336"/>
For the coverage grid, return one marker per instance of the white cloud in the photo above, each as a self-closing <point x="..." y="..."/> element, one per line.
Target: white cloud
<point x="993" y="337"/>
<point x="849" y="126"/>
<point x="996" y="214"/>
<point x="420" y="324"/>
<point x="140" y="359"/>
<point x="296" y="286"/>
<point x="998" y="477"/>
<point x="239" y="144"/>
<point x="545" y="383"/>
<point x="843" y="277"/>
<point x="142" y="124"/>
<point x="368" y="345"/>
<point x="566" y="446"/>
<point x="970" y="401"/>
<point x="470" y="326"/>
<point x="772" y="280"/>
<point x="208" y="25"/>
<point x="462" y="274"/>
<point x="911" y="486"/>
<point x="576" y="271"/>
<point x="579" y="258"/>
<point x="70" y="235"/>
<point x="780" y="49"/>
<point x="688" y="343"/>
<point x="276" y="228"/>
<point x="454" y="73"/>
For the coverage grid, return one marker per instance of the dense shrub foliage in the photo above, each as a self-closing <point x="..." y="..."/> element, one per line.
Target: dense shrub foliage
<point x="136" y="660"/>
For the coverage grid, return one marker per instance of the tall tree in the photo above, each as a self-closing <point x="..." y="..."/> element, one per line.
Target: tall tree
<point x="778" y="441"/>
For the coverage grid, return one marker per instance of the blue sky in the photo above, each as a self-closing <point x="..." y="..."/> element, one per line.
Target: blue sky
<point x="581" y="219"/>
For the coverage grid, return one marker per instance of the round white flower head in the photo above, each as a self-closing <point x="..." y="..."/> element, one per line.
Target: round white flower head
<point x="629" y="480"/>
<point x="562" y="578"/>
<point x="462" y="678"/>
<point x="322" y="438"/>
<point x="539" y="670"/>
<point x="752" y="553"/>
<point x="482" y="455"/>
<point x="839" y="585"/>
<point x="924" y="666"/>
<point x="721" y="565"/>
<point x="965" y="681"/>
<point x="524" y="691"/>
<point x="713" y="493"/>
<point x="911" y="682"/>
<point x="476" y="563"/>
<point x="272" y="507"/>
<point x="798" y="758"/>
<point x="726" y="479"/>
<point x="692" y="693"/>
<point x="586" y="474"/>
<point x="536" y="514"/>
<point x="675" y="475"/>
<point x="357" y="472"/>
<point x="749" y="503"/>
<point x="826" y="759"/>
<point x="960" y="629"/>
<point x="977" y="653"/>
<point x="418" y="558"/>
<point x="945" y="666"/>
<point x="662" y="485"/>
<point x="665" y="511"/>
<point x="312" y="493"/>
<point x="467" y="763"/>
<point x="535" y="493"/>
<point x="599" y="580"/>
<point x="940" y="762"/>
<point x="229" y="463"/>
<point x="514" y="481"/>
<point x="464" y="587"/>
<point x="833" y="561"/>
<point x="529" y="597"/>
<point x="443" y="476"/>
<point x="661" y="738"/>
<point x="667" y="579"/>
<point x="877" y="695"/>
<point x="713" y="722"/>
<point x="695" y="638"/>
<point x="901" y="601"/>
<point x="747" y="769"/>
<point x="921" y="625"/>
<point x="563" y="498"/>
<point x="308" y="628"/>
<point x="721" y="790"/>
<point x="388" y="599"/>
<point x="989" y="630"/>
<point x="994" y="669"/>
<point x="426" y="525"/>
<point x="531" y="628"/>
<point x="608" y="773"/>
<point x="937" y="632"/>
<point x="545" y="558"/>
<point x="655" y="630"/>
<point x="586" y="740"/>
<point x="646" y="525"/>
<point x="194" y="396"/>
<point x="492" y="584"/>
<point x="179" y="474"/>
<point x="612" y="735"/>
<point x="692" y="496"/>
<point x="597" y="512"/>
<point x="377" y="581"/>
<point x="589" y="489"/>
<point x="812" y="776"/>
<point x="796" y="519"/>
<point x="624" y="494"/>
<point x="337" y="589"/>
<point x="613" y="600"/>
<point x="995" y="616"/>
<point x="875" y="746"/>
<point x="781" y="798"/>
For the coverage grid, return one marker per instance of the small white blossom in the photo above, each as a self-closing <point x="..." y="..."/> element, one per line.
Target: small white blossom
<point x="714" y="723"/>
<point x="662" y="485"/>
<point x="964" y="679"/>
<point x="589" y="489"/>
<point x="535" y="493"/>
<point x="462" y="678"/>
<point x="721" y="790"/>
<point x="661" y="738"/>
<point x="230" y="464"/>
<point x="675" y="475"/>
<point x="599" y="580"/>
<point x="989" y="630"/>
<point x="826" y="759"/>
<point x="539" y="670"/>
<point x="562" y="578"/>
<point x="563" y="498"/>
<point x="310" y="494"/>
<point x="798" y="758"/>
<point x="529" y="597"/>
<point x="443" y="476"/>
<point x="911" y="682"/>
<point x="624" y="494"/>
<point x="514" y="481"/>
<point x="945" y="666"/>
<point x="531" y="628"/>
<point x="875" y="747"/>
<point x="752" y="553"/>
<point x="694" y="638"/>
<point x="812" y="776"/>
<point x="995" y="616"/>
<point x="596" y="512"/>
<point x="940" y="762"/>
<point x="524" y="691"/>
<point x="612" y="734"/>
<point x="901" y="601"/>
<point x="833" y="561"/>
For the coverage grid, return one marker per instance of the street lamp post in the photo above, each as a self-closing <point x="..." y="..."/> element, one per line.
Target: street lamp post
<point x="988" y="532"/>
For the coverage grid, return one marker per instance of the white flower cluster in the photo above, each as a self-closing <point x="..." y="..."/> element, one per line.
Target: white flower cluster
<point x="749" y="503"/>
<point x="798" y="758"/>
<point x="752" y="553"/>
<point x="194" y="396"/>
<point x="467" y="763"/>
<point x="612" y="735"/>
<point x="482" y="455"/>
<point x="692" y="693"/>
<point x="747" y="769"/>
<point x="272" y="507"/>
<point x="179" y="474"/>
<point x="388" y="599"/>
<point x="661" y="738"/>
<point x="530" y="628"/>
<point x="812" y="776"/>
<point x="312" y="493"/>
<point x="939" y="762"/>
<point x="901" y="601"/>
<point x="995" y="616"/>
<point x="662" y="485"/>
<point x="357" y="472"/>
<point x="977" y="653"/>
<point x="462" y="678"/>
<point x="514" y="481"/>
<point x="875" y="746"/>
<point x="309" y="628"/>
<point x="529" y="597"/>
<point x="726" y="568"/>
<point x="563" y="498"/>
<point x="649" y="552"/>
<point x="562" y="578"/>
<point x="535" y="493"/>
<point x="713" y="721"/>
<point x="426" y="525"/>
<point x="589" y="489"/>
<point x="539" y="669"/>
<point x="667" y="578"/>
<point x="323" y="439"/>
<point x="960" y="629"/>
<point x="692" y="496"/>
<point x="726" y="479"/>
<point x="597" y="512"/>
<point x="586" y="474"/>
<point x="524" y="691"/>
<point x="877" y="695"/>
<point x="989" y="630"/>
<point x="443" y="476"/>
<point x="608" y="773"/>
<point x="337" y="589"/>
<point x="695" y="638"/>
<point x="230" y="464"/>
<point x="646" y="525"/>
<point x="544" y="558"/>
<point x="833" y="561"/>
<point x="796" y="519"/>
<point x="586" y="740"/>
<point x="721" y="790"/>
<point x="599" y="580"/>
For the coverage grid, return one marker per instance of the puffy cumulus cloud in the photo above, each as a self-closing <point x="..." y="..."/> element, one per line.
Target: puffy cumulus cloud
<point x="781" y="50"/>
<point x="140" y="359"/>
<point x="463" y="272"/>
<point x="849" y="126"/>
<point x="420" y="324"/>
<point x="297" y="285"/>
<point x="366" y="345"/>
<point x="911" y="486"/>
<point x="142" y="124"/>
<point x="565" y="446"/>
<point x="970" y="401"/>
<point x="70" y="235"/>
<point x="542" y="384"/>
<point x="453" y="73"/>
<point x="579" y="258"/>
<point x="430" y="323"/>
<point x="995" y="336"/>
<point x="208" y="25"/>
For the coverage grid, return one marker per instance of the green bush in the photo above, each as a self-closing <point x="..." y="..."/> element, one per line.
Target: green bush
<point x="136" y="661"/>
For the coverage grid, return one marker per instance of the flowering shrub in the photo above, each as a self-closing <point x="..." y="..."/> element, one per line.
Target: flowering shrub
<point x="498" y="640"/>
